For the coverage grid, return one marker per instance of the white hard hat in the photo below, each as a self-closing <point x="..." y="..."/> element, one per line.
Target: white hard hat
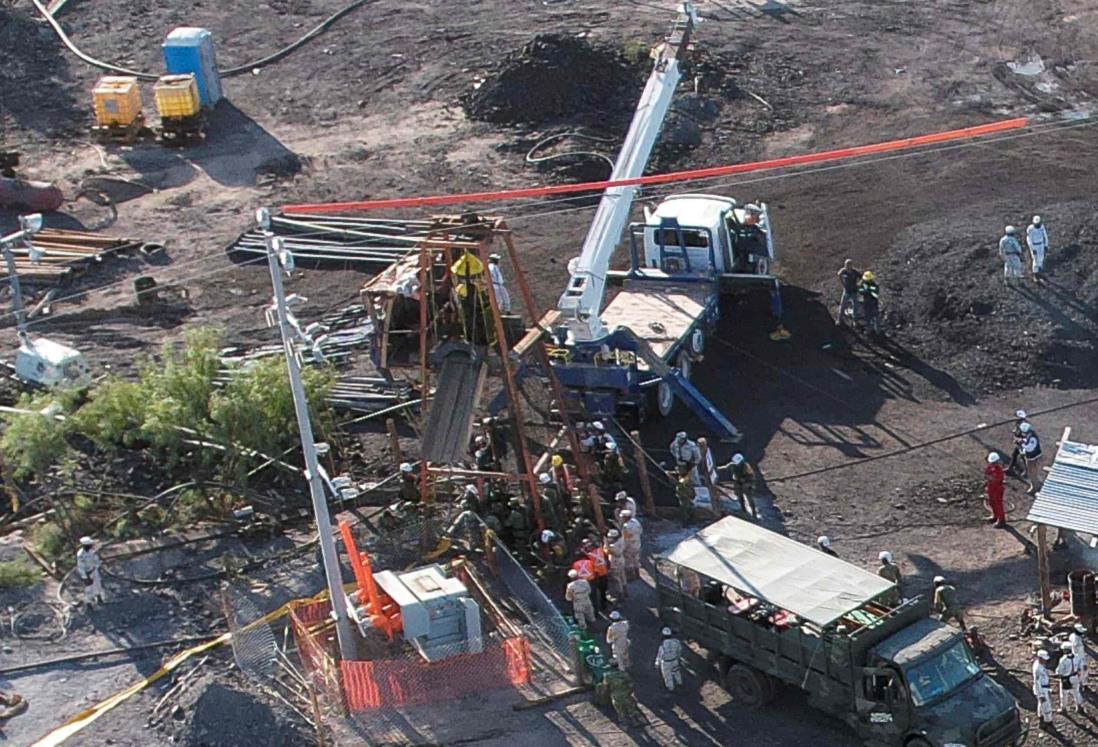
<point x="1080" y="628"/>
<point x="993" y="457"/>
<point x="615" y="615"/>
<point x="1065" y="646"/>
<point x="627" y="514"/>
<point x="611" y="444"/>
<point x="1020" y="414"/>
<point x="737" y="459"/>
<point x="573" y="573"/>
<point x="1010" y="230"/>
<point x="493" y="257"/>
<point x="680" y="435"/>
<point x="472" y="490"/>
<point x="621" y="495"/>
<point x="547" y="535"/>
<point x="1025" y="427"/>
<point x="598" y="426"/>
<point x="406" y="467"/>
<point x="1042" y="655"/>
<point x="823" y="540"/>
<point x="87" y="541"/>
<point x="885" y="555"/>
<point x="939" y="579"/>
<point x="666" y="631"/>
<point x="480" y="440"/>
<point x="1036" y="220"/>
<point x="613" y="533"/>
<point x="544" y="478"/>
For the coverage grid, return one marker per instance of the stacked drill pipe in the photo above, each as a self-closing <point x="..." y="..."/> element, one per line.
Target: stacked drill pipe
<point x="339" y="239"/>
<point x="63" y="252"/>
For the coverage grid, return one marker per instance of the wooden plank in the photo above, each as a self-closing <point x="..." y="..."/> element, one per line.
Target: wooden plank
<point x="1042" y="568"/>
<point x="534" y="335"/>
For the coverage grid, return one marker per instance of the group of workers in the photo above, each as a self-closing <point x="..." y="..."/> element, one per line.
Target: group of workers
<point x="1025" y="463"/>
<point x="861" y="298"/>
<point x="1070" y="671"/>
<point x="1010" y="251"/>
<point x="688" y="475"/>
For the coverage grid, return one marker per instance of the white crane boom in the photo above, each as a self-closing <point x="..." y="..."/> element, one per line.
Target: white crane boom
<point x="581" y="301"/>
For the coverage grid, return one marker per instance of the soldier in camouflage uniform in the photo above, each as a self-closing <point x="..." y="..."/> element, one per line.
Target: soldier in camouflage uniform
<point x="620" y="687"/>
<point x="946" y="602"/>
<point x="891" y="572"/>
<point x="684" y="491"/>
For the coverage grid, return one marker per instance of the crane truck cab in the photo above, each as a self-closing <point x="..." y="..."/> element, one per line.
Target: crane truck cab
<point x="704" y="236"/>
<point x="51" y="365"/>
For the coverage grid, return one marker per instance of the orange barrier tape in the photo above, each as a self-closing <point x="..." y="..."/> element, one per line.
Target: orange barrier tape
<point x="676" y="176"/>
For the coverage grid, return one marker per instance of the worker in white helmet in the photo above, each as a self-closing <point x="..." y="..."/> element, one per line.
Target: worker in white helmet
<point x="1016" y="468"/>
<point x="823" y="544"/>
<point x="1037" y="241"/>
<point x="889" y="571"/>
<point x="578" y="592"/>
<point x="622" y="503"/>
<point x="87" y="568"/>
<point x="1042" y="688"/>
<point x="1031" y="452"/>
<point x="687" y="455"/>
<point x="617" y="637"/>
<point x="631" y="532"/>
<point x="1010" y="251"/>
<point x="995" y="485"/>
<point x="615" y="550"/>
<point x="1077" y="639"/>
<point x="409" y="484"/>
<point x="552" y="503"/>
<point x="669" y="659"/>
<point x="503" y="297"/>
<point x="743" y="483"/>
<point x="1067" y="671"/>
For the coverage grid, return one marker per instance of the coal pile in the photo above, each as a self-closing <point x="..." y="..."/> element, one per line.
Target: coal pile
<point x="225" y="717"/>
<point x="944" y="300"/>
<point x="559" y="77"/>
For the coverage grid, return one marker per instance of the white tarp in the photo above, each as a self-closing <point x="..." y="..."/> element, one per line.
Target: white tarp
<point x="800" y="579"/>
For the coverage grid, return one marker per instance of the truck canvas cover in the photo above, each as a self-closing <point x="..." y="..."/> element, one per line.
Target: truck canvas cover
<point x="815" y="586"/>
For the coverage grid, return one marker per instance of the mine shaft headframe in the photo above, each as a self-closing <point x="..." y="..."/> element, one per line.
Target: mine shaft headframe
<point x="677" y="44"/>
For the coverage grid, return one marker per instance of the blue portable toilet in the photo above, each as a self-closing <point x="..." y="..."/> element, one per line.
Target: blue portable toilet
<point x="191" y="50"/>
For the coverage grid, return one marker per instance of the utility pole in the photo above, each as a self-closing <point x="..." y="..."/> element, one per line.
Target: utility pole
<point x="277" y="259"/>
<point x="28" y="226"/>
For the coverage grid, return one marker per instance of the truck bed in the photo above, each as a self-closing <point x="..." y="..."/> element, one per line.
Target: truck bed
<point x="659" y="313"/>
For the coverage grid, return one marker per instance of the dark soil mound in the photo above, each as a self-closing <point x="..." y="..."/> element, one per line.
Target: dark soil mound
<point x="223" y="717"/>
<point x="555" y="77"/>
<point x="944" y="299"/>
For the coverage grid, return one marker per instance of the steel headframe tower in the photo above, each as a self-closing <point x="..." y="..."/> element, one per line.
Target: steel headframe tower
<point x="278" y="260"/>
<point x="28" y="226"/>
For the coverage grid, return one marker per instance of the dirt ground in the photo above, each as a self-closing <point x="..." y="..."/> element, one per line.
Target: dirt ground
<point x="376" y="107"/>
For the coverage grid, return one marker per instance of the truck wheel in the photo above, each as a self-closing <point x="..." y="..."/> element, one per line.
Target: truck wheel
<point x="748" y="686"/>
<point x="697" y="342"/>
<point x="762" y="267"/>
<point x="663" y="399"/>
<point x="686" y="365"/>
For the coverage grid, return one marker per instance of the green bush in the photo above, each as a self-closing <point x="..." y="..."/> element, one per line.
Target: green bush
<point x="33" y="442"/>
<point x="51" y="542"/>
<point x="16" y="574"/>
<point x="114" y="414"/>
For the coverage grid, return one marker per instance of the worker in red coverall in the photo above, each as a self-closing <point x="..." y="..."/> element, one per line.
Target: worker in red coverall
<point x="996" y="479"/>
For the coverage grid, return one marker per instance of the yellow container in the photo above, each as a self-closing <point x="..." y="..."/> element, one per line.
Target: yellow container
<point x="176" y="96"/>
<point x="116" y="100"/>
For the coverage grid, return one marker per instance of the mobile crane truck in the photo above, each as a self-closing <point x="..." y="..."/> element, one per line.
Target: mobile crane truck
<point x="636" y="355"/>
<point x="770" y="610"/>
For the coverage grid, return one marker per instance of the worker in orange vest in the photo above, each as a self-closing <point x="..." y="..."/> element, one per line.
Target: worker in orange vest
<point x="601" y="566"/>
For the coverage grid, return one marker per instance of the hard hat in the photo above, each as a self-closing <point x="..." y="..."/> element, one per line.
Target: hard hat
<point x="580" y="425"/>
<point x="1025" y="427"/>
<point x="487" y="420"/>
<point x="939" y="580"/>
<point x="666" y="632"/>
<point x="544" y="478"/>
<point x="493" y="257"/>
<point x="680" y="435"/>
<point x="615" y="615"/>
<point x="737" y="459"/>
<point x="406" y="467"/>
<point x="611" y="444"/>
<point x="868" y="275"/>
<point x="1036" y="220"/>
<point x="480" y="440"/>
<point x="627" y="514"/>
<point x="516" y="501"/>
<point x="1010" y="230"/>
<point x="621" y="495"/>
<point x="613" y="533"/>
<point x="823" y="540"/>
<point x="885" y="555"/>
<point x="993" y="457"/>
<point x="547" y="535"/>
<point x="557" y="460"/>
<point x="87" y="541"/>
<point x="1020" y="414"/>
<point x="573" y="573"/>
<point x="1065" y="646"/>
<point x="1042" y="655"/>
<point x="472" y="490"/>
<point x="598" y="426"/>
<point x="1080" y="628"/>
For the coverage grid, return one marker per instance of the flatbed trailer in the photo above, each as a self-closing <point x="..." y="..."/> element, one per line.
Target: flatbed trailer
<point x="770" y="610"/>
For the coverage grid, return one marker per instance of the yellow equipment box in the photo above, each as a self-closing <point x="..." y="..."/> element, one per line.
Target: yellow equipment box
<point x="176" y="96"/>
<point x="117" y="100"/>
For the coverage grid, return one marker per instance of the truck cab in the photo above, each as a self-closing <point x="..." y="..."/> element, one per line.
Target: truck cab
<point x="703" y="236"/>
<point x="924" y="687"/>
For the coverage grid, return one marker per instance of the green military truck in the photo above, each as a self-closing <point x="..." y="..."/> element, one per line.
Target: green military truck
<point x="770" y="610"/>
